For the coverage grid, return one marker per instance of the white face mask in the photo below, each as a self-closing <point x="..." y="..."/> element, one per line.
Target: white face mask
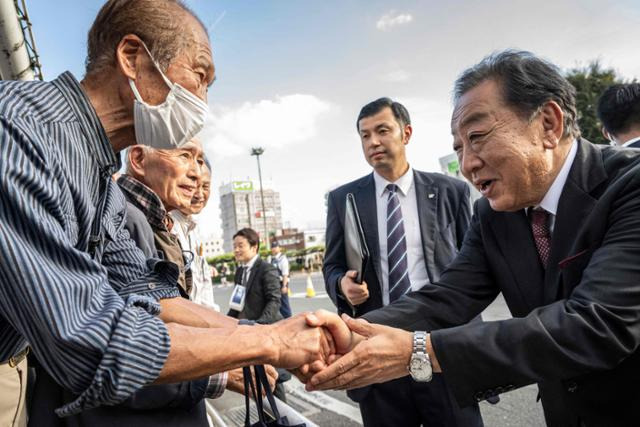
<point x="171" y="124"/>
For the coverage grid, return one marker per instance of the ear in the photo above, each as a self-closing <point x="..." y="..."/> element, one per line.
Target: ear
<point x="406" y="134"/>
<point x="552" y="120"/>
<point x="129" y="54"/>
<point x="607" y="135"/>
<point x="137" y="156"/>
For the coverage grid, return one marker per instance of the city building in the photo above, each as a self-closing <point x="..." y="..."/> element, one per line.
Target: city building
<point x="212" y="247"/>
<point x="241" y="206"/>
<point x="291" y="239"/>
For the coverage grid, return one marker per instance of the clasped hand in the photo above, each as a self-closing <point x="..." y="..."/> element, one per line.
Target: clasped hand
<point x="350" y="353"/>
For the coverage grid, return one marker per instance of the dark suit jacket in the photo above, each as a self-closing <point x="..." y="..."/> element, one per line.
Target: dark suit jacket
<point x="576" y="329"/>
<point x="262" y="301"/>
<point x="443" y="210"/>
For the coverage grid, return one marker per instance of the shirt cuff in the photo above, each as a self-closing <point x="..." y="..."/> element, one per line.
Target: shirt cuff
<point x="217" y="385"/>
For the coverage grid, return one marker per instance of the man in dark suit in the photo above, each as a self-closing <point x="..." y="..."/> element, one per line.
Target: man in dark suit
<point x="557" y="232"/>
<point x="258" y="278"/>
<point x="619" y="112"/>
<point x="414" y="223"/>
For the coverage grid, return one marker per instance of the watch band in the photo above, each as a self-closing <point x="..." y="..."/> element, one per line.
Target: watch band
<point x="420" y="342"/>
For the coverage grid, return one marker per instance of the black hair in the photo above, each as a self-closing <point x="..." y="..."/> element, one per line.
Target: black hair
<point x="399" y="111"/>
<point x="619" y="107"/>
<point x="527" y="83"/>
<point x="251" y="235"/>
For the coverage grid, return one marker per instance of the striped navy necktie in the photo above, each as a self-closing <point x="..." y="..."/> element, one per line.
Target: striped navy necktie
<point x="399" y="282"/>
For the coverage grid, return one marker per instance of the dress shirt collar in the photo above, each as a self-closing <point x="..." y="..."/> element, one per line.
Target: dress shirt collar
<point x="147" y="201"/>
<point x="404" y="182"/>
<point x="186" y="221"/>
<point x="550" y="201"/>
<point x="249" y="265"/>
<point x="90" y="124"/>
<point x="631" y="141"/>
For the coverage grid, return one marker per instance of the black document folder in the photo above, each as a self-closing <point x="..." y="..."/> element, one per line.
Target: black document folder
<point x="355" y="245"/>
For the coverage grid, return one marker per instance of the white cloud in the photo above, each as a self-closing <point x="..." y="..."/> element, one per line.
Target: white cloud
<point x="393" y="19"/>
<point x="397" y="76"/>
<point x="273" y="123"/>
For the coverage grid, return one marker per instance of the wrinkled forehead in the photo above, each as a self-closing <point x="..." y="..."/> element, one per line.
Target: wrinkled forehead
<point x="194" y="146"/>
<point x="479" y="105"/>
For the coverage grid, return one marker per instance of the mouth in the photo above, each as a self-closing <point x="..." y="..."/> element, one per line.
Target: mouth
<point x="377" y="154"/>
<point x="187" y="188"/>
<point x="484" y="185"/>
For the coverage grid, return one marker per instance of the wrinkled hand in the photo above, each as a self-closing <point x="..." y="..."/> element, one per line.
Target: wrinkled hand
<point x="296" y="341"/>
<point x="337" y="332"/>
<point x="235" y="379"/>
<point x="355" y="293"/>
<point x="382" y="355"/>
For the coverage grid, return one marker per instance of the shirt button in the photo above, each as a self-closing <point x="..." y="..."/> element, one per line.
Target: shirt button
<point x="152" y="285"/>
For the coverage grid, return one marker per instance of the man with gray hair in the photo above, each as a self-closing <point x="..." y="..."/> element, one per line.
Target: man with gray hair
<point x="557" y="233"/>
<point x="100" y="318"/>
<point x="186" y="230"/>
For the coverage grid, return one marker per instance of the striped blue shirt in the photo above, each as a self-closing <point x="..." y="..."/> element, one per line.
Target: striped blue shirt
<point x="92" y="325"/>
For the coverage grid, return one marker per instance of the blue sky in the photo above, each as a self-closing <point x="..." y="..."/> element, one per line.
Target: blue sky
<point x="292" y="75"/>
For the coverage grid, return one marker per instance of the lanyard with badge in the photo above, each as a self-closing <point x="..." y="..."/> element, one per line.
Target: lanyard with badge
<point x="236" y="302"/>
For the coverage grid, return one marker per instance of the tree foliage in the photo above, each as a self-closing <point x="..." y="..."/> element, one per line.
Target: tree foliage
<point x="590" y="82"/>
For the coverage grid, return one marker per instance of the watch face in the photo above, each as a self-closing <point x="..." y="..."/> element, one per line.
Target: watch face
<point x="420" y="369"/>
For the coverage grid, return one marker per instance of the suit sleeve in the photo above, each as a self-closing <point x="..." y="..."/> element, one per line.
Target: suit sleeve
<point x="594" y="330"/>
<point x="272" y="295"/>
<point x="465" y="288"/>
<point x="464" y="214"/>
<point x="334" y="266"/>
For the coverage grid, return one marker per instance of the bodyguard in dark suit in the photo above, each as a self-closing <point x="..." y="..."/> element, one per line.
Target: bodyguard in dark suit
<point x="557" y="233"/>
<point x="619" y="112"/>
<point x="259" y="278"/>
<point x="422" y="218"/>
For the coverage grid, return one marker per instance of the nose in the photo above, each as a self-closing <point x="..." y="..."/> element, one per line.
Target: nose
<point x="194" y="171"/>
<point x="470" y="162"/>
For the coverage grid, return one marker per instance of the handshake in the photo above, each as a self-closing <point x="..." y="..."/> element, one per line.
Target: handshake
<point x="326" y="351"/>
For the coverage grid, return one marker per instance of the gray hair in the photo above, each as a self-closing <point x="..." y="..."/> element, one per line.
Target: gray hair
<point x="527" y="83"/>
<point x="159" y="23"/>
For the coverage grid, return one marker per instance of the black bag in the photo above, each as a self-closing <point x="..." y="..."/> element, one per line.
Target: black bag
<point x="266" y="419"/>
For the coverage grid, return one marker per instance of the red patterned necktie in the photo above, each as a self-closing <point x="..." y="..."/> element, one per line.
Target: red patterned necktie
<point x="541" y="233"/>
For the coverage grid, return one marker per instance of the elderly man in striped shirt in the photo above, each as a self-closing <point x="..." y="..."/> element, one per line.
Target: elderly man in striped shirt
<point x="100" y="318"/>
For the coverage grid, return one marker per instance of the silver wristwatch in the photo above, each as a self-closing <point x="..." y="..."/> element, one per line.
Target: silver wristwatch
<point x="420" y="364"/>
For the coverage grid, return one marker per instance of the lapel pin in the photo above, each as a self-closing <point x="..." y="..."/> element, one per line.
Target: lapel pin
<point x="431" y="196"/>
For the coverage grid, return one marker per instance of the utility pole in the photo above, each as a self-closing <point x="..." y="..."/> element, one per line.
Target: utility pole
<point x="257" y="151"/>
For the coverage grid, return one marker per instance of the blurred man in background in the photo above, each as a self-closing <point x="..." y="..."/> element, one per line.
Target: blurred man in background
<point x="281" y="263"/>
<point x="186" y="230"/>
<point x="619" y="112"/>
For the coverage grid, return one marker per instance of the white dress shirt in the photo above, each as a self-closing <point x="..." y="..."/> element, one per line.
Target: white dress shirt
<point x="631" y="141"/>
<point x="409" y="208"/>
<point x="550" y="200"/>
<point x="249" y="266"/>
<point x="184" y="228"/>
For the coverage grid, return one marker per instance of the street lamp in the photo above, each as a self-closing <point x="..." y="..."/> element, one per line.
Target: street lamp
<point x="257" y="151"/>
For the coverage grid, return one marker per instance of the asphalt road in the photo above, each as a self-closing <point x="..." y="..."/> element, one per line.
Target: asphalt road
<point x="515" y="409"/>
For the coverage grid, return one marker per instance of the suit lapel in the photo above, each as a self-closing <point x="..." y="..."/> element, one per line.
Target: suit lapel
<point x="366" y="197"/>
<point x="515" y="240"/>
<point x="427" y="199"/>
<point x="574" y="207"/>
